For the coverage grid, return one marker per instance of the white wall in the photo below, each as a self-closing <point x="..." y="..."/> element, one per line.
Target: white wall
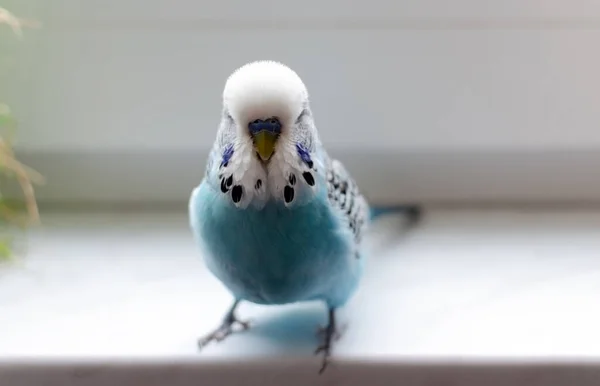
<point x="452" y="95"/>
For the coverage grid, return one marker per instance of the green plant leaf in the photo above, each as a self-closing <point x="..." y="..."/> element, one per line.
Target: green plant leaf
<point x="14" y="204"/>
<point x="5" y="249"/>
<point x="7" y="121"/>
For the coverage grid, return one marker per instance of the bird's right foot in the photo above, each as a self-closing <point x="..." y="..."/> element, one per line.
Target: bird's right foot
<point x="226" y="328"/>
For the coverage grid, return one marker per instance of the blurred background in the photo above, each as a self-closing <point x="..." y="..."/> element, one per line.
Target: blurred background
<point x="432" y="101"/>
<point x="446" y="103"/>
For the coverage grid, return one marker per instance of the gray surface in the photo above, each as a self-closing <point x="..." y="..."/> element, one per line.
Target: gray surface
<point x="470" y="297"/>
<point x="296" y="374"/>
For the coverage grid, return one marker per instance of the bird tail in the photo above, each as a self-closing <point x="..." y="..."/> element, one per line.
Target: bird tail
<point x="412" y="212"/>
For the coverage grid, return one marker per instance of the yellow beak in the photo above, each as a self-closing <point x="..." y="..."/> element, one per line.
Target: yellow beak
<point x="264" y="142"/>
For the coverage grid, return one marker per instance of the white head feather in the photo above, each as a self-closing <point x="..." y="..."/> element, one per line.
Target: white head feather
<point x="264" y="89"/>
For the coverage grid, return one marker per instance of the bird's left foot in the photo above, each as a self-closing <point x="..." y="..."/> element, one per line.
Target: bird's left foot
<point x="328" y="334"/>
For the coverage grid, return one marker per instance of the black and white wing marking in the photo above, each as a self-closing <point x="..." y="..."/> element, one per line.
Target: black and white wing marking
<point x="345" y="196"/>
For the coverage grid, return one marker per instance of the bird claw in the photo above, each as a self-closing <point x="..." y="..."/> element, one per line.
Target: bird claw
<point x="223" y="332"/>
<point x="326" y="350"/>
<point x="329" y="334"/>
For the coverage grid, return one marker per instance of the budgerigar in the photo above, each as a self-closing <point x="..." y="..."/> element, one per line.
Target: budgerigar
<point x="279" y="221"/>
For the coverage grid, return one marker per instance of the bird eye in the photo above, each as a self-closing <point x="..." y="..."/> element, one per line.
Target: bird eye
<point x="272" y="121"/>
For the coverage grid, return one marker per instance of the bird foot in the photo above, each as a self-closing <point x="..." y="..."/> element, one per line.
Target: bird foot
<point x="226" y="329"/>
<point x="328" y="335"/>
<point x="324" y="348"/>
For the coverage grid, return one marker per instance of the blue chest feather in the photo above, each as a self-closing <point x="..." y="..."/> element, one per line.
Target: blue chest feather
<point x="276" y="255"/>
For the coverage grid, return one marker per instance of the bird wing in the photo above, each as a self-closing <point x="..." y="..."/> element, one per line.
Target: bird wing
<point x="345" y="197"/>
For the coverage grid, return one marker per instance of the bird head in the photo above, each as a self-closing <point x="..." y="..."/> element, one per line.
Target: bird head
<point x="265" y="100"/>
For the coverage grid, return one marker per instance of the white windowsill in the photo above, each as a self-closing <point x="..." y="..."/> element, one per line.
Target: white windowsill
<point x="502" y="295"/>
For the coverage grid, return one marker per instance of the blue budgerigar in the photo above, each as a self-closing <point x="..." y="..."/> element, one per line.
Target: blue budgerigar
<point x="278" y="220"/>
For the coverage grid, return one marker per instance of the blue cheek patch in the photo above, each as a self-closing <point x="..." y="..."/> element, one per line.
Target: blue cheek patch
<point x="227" y="155"/>
<point x="304" y="155"/>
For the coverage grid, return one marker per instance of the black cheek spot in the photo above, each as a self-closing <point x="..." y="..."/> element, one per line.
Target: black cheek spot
<point x="258" y="184"/>
<point x="229" y="181"/>
<point x="310" y="164"/>
<point x="288" y="194"/>
<point x="236" y="193"/>
<point x="308" y="177"/>
<point x="292" y="179"/>
<point x="224" y="187"/>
